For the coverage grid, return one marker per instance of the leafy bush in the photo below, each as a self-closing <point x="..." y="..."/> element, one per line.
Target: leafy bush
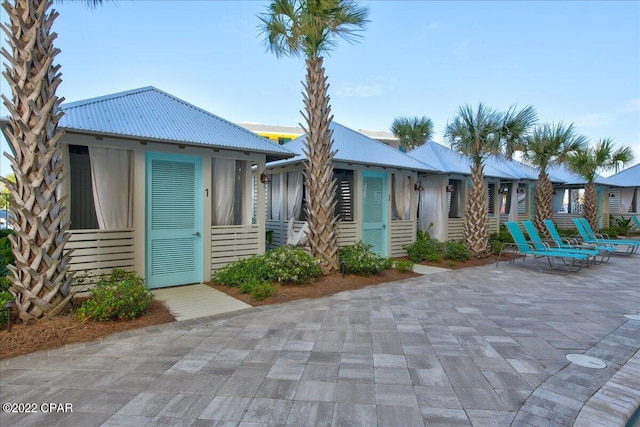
<point x="290" y="265"/>
<point x="456" y="251"/>
<point x="259" y="290"/>
<point x="5" y="297"/>
<point x="120" y="295"/>
<point x="6" y="251"/>
<point x="498" y="238"/>
<point x="423" y="249"/>
<point x="404" y="266"/>
<point x="284" y="265"/>
<point x="622" y="224"/>
<point x="360" y="260"/>
<point x="4" y="283"/>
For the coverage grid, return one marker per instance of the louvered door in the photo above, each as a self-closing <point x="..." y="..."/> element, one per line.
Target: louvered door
<point x="374" y="211"/>
<point x="174" y="220"/>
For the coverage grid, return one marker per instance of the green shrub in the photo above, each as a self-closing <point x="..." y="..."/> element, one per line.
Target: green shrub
<point x="360" y="260"/>
<point x="4" y="283"/>
<point x="6" y="252"/>
<point x="263" y="290"/>
<point x="120" y="295"/>
<point x="497" y="239"/>
<point x="456" y="251"/>
<point x="404" y="266"/>
<point x="236" y="273"/>
<point x="433" y="257"/>
<point x="290" y="265"/>
<point x="283" y="265"/>
<point x="423" y="249"/>
<point x="5" y="297"/>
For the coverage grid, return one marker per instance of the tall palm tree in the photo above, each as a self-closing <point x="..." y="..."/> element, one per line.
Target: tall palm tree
<point x="40" y="278"/>
<point x="591" y="161"/>
<point x="548" y="145"/>
<point x="412" y="131"/>
<point x="309" y="28"/>
<point x="478" y="135"/>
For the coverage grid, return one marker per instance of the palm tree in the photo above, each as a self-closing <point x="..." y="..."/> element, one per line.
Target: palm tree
<point x="309" y="28"/>
<point x="412" y="132"/>
<point x="478" y="135"/>
<point x="40" y="278"/>
<point x="548" y="145"/>
<point x="589" y="162"/>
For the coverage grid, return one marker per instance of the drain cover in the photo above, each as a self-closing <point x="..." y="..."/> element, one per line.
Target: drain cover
<point x="586" y="361"/>
<point x="632" y="316"/>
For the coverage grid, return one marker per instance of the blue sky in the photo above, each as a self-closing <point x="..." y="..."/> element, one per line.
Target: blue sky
<point x="575" y="61"/>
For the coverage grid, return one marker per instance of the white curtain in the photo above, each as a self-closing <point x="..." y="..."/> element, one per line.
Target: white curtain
<point x="626" y="198"/>
<point x="558" y="200"/>
<point x="513" y="200"/>
<point x="401" y="196"/>
<point x="112" y="187"/>
<point x="294" y="194"/>
<point x="276" y="196"/>
<point x="433" y="201"/>
<point x="223" y="185"/>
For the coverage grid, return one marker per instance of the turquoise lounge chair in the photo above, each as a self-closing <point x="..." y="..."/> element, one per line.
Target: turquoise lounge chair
<point x="605" y="251"/>
<point x="570" y="261"/>
<point x="536" y="241"/>
<point x="636" y="219"/>
<point x="588" y="236"/>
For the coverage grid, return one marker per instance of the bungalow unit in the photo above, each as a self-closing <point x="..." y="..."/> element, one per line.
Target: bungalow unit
<point x="442" y="197"/>
<point x="375" y="190"/>
<point x="160" y="186"/>
<point x="623" y="199"/>
<point x="568" y="197"/>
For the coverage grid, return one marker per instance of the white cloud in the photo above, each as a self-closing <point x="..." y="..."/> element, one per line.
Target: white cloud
<point x="359" y="90"/>
<point x="594" y="120"/>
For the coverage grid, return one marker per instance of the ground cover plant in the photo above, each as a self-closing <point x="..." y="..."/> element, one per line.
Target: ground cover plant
<point x="359" y="259"/>
<point x="255" y="275"/>
<point x="117" y="296"/>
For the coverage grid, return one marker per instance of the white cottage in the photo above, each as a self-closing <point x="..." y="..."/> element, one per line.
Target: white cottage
<point x="162" y="187"/>
<point x="442" y="196"/>
<point x="376" y="193"/>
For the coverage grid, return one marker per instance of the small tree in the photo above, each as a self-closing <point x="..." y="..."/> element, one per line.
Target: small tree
<point x="589" y="162"/>
<point x="479" y="134"/>
<point x="412" y="132"/>
<point x="548" y="145"/>
<point x="40" y="278"/>
<point x="308" y="28"/>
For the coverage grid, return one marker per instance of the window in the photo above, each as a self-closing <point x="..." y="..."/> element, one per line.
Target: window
<point x="454" y="198"/>
<point x="283" y="140"/>
<point x="491" y="199"/>
<point x="504" y="198"/>
<point x="82" y="207"/>
<point x="344" y="194"/>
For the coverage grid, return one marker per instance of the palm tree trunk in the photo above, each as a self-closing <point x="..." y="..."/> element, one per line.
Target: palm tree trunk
<point x="475" y="216"/>
<point x="591" y="205"/>
<point x="40" y="277"/>
<point x="542" y="203"/>
<point x="320" y="184"/>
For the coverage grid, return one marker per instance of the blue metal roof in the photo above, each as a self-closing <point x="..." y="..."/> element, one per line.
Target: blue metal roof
<point x="449" y="161"/>
<point x="151" y="114"/>
<point x="629" y="177"/>
<point x="354" y="147"/>
<point x="567" y="177"/>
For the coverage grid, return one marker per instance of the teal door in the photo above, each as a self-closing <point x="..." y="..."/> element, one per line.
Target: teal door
<point x="374" y="211"/>
<point x="173" y="220"/>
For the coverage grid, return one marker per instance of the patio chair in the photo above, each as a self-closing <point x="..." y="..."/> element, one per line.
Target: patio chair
<point x="588" y="236"/>
<point x="570" y="261"/>
<point x="538" y="243"/>
<point x="636" y="219"/>
<point x="605" y="251"/>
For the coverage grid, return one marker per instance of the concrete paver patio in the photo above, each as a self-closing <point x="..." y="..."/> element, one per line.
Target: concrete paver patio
<point x="482" y="346"/>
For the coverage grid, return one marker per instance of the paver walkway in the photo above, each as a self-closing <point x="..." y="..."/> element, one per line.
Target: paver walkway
<point x="483" y="346"/>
